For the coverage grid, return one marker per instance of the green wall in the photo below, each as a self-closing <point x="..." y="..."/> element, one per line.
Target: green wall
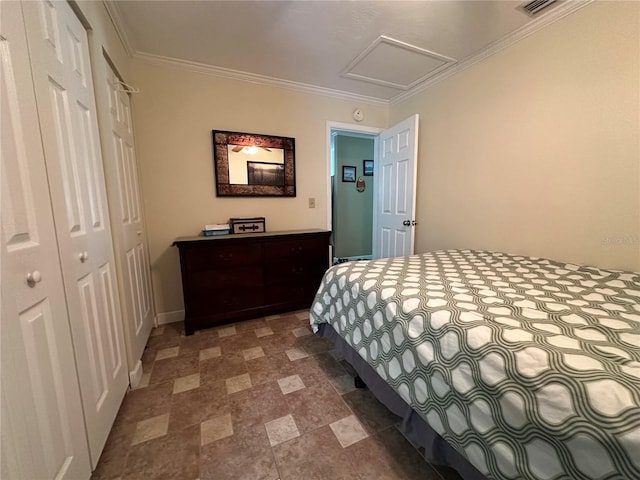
<point x="352" y="211"/>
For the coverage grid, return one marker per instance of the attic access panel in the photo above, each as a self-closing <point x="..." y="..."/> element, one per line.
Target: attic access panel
<point x="395" y="64"/>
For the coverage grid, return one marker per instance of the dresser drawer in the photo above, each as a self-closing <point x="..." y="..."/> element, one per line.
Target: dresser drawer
<point x="222" y="256"/>
<point x="294" y="249"/>
<point x="221" y="278"/>
<point x="223" y="300"/>
<point x="307" y="272"/>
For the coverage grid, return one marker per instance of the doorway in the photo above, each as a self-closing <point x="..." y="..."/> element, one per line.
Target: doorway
<point x="392" y="188"/>
<point x="351" y="194"/>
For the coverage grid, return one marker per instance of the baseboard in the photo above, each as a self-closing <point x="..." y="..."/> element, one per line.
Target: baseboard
<point x="135" y="375"/>
<point x="170" y="317"/>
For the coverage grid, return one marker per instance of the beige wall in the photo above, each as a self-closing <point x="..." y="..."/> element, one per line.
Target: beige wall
<point x="536" y="150"/>
<point x="173" y="118"/>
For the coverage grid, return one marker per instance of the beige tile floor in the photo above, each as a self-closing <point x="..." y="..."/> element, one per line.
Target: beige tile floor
<point x="259" y="399"/>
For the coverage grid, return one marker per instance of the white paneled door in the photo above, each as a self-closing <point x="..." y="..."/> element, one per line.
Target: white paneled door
<point x="127" y="224"/>
<point x="395" y="177"/>
<point x="59" y="52"/>
<point x="42" y="433"/>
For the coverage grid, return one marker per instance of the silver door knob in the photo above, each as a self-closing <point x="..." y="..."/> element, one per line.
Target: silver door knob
<point x="33" y="278"/>
<point x="406" y="223"/>
<point x="84" y="256"/>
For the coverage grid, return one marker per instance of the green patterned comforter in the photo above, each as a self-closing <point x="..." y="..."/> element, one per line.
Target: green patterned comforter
<point x="528" y="367"/>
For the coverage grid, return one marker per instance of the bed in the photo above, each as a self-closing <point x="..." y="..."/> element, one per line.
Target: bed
<point x="501" y="366"/>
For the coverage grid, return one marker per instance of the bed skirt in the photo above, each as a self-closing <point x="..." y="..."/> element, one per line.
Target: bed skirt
<point x="413" y="427"/>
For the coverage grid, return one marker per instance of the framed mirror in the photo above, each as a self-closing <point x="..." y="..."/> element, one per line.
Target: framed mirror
<point x="254" y="165"/>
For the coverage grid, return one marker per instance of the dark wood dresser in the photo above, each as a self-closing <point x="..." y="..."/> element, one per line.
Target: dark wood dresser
<point x="235" y="277"/>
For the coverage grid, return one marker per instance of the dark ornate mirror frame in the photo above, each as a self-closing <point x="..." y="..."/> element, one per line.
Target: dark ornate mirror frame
<point x="221" y="139"/>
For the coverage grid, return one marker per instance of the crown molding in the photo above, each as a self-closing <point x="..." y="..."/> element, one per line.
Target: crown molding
<point x="116" y="19"/>
<point x="561" y="11"/>
<point x="255" y="78"/>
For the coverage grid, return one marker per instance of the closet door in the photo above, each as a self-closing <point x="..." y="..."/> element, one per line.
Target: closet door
<point x="42" y="425"/>
<point x="126" y="221"/>
<point x="66" y="107"/>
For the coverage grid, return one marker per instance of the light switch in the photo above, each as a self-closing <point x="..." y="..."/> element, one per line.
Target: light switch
<point x="312" y="202"/>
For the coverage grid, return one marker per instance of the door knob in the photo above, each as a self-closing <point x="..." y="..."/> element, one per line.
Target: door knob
<point x="84" y="256"/>
<point x="33" y="278"/>
<point x="414" y="223"/>
<point x="406" y="223"/>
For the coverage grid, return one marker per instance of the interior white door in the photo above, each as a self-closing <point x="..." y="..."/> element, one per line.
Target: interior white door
<point x="42" y="434"/>
<point x="63" y="86"/>
<point x="127" y="225"/>
<point x="394" y="190"/>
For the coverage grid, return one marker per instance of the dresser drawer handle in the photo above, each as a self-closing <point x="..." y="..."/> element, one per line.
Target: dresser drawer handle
<point x="225" y="256"/>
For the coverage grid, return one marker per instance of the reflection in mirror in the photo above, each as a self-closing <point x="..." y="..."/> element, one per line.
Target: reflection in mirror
<point x="251" y="165"/>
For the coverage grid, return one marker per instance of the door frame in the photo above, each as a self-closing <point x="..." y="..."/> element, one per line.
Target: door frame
<point x="347" y="128"/>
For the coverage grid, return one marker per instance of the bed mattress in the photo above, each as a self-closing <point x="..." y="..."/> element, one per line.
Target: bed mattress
<point x="528" y="367"/>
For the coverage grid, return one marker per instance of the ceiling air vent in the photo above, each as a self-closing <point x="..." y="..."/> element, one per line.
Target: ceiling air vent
<point x="536" y="6"/>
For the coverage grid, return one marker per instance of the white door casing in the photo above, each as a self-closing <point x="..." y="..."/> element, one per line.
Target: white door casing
<point x="394" y="190"/>
<point x="42" y="433"/>
<point x="127" y="224"/>
<point x="58" y="48"/>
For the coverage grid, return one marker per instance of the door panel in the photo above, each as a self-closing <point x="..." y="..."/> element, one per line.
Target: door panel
<point x="403" y="177"/>
<point x="42" y="425"/>
<point x="68" y="163"/>
<point x="93" y="166"/>
<point x="134" y="276"/>
<point x="114" y="356"/>
<point x="96" y="368"/>
<point x="401" y="243"/>
<point x="395" y="184"/>
<point x="52" y="414"/>
<point x="386" y="191"/>
<point x="385" y="243"/>
<point x="59" y="53"/>
<point x="128" y="227"/>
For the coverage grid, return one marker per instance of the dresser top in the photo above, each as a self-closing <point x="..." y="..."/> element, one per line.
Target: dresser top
<point x="213" y="238"/>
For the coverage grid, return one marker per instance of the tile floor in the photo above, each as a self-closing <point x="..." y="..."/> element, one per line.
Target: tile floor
<point x="259" y="399"/>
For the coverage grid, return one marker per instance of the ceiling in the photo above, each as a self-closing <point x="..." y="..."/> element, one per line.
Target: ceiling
<point x="377" y="51"/>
